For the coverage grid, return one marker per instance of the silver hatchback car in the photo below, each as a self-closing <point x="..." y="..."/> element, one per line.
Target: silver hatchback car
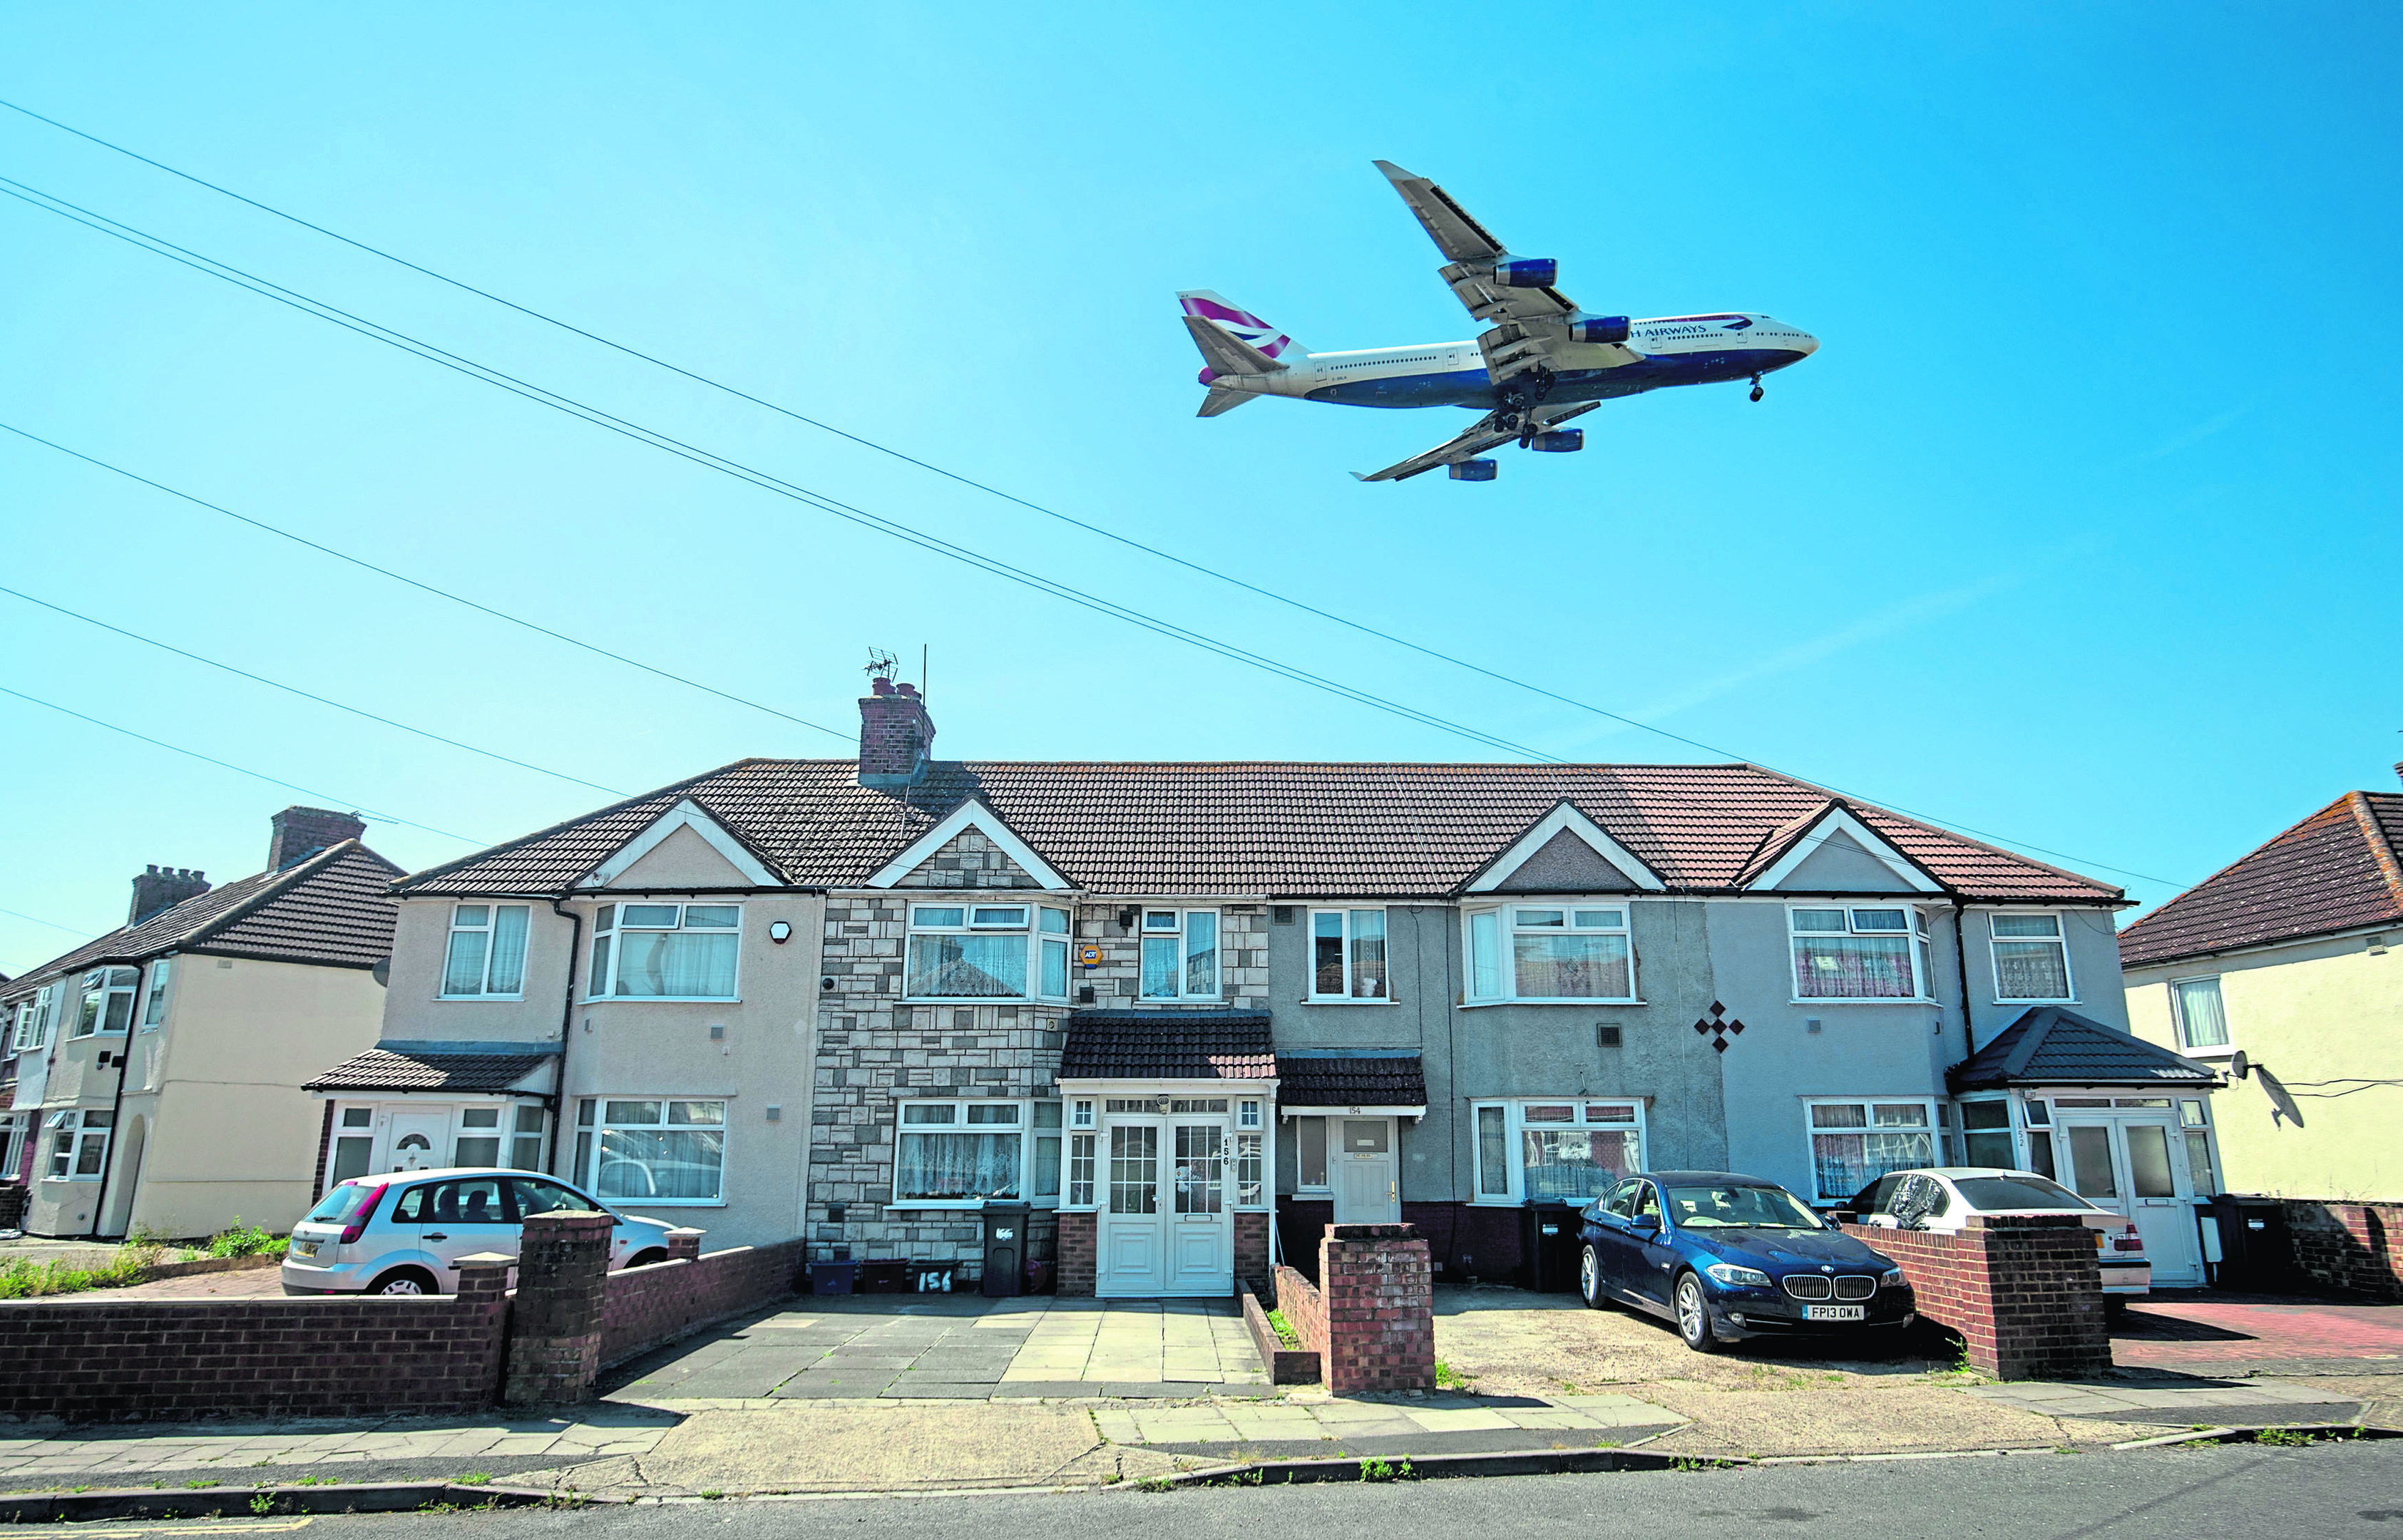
<point x="404" y="1232"/>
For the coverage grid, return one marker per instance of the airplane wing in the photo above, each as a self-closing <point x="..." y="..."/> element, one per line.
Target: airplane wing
<point x="1528" y="325"/>
<point x="1482" y="435"/>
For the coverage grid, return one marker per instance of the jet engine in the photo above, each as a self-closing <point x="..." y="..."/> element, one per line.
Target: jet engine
<point x="1559" y="441"/>
<point x="1598" y="329"/>
<point x="1527" y="273"/>
<point x="1472" y="470"/>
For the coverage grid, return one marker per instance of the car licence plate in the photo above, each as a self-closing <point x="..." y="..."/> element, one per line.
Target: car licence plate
<point x="1833" y="1313"/>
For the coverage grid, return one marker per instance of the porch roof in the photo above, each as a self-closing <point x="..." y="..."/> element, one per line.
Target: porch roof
<point x="1346" y="1078"/>
<point x="2049" y="1045"/>
<point x="1167" y="1045"/>
<point x="418" y="1069"/>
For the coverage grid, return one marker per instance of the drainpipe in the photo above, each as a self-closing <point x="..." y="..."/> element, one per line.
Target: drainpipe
<point x="1961" y="961"/>
<point x="558" y="1097"/>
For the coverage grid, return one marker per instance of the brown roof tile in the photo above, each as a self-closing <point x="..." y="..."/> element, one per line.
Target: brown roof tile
<point x="1167" y="1045"/>
<point x="1350" y="1080"/>
<point x="382" y="1069"/>
<point x="1402" y="830"/>
<point x="2335" y="870"/>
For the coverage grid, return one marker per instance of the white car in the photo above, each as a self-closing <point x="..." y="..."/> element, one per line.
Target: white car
<point x="1939" y="1198"/>
<point x="404" y="1232"/>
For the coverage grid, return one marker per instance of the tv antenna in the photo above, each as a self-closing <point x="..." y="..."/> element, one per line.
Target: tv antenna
<point x="882" y="664"/>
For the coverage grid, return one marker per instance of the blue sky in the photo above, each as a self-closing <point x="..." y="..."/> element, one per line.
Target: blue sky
<point x="2075" y="532"/>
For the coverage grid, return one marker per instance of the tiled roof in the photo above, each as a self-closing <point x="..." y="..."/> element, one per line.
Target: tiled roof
<point x="2049" y="1045"/>
<point x="380" y="1069"/>
<point x="2339" y="869"/>
<point x="332" y="908"/>
<point x="1401" y="830"/>
<point x="1343" y="1079"/>
<point x="1167" y="1045"/>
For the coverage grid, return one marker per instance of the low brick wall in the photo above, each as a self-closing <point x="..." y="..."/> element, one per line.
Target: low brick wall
<point x="1076" y="1254"/>
<point x="2356" y="1246"/>
<point x="2025" y="1292"/>
<point x="1252" y="1252"/>
<point x="90" y="1359"/>
<point x="1304" y="1310"/>
<point x="1286" y="1365"/>
<point x="645" y="1307"/>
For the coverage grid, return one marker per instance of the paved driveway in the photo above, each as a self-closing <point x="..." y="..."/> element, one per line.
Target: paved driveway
<point x="2193" y="1331"/>
<point x="959" y="1347"/>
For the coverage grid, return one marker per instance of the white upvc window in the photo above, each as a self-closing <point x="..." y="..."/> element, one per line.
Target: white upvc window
<point x="487" y="956"/>
<point x="1347" y="955"/>
<point x="987" y="952"/>
<point x="665" y="952"/>
<point x="957" y="1154"/>
<point x="1180" y="954"/>
<point x="655" y="1150"/>
<point x="154" y="1004"/>
<point x="1857" y="952"/>
<point x="107" y="1001"/>
<point x="2200" y="1015"/>
<point x="1535" y="952"/>
<point x="485" y="1131"/>
<point x="1856" y="1140"/>
<point x="353" y="1143"/>
<point x="2031" y="958"/>
<point x="78" y="1144"/>
<point x="1567" y="1147"/>
<point x="34" y="1020"/>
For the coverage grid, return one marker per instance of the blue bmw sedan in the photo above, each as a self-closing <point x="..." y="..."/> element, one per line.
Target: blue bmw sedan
<point x="1726" y="1257"/>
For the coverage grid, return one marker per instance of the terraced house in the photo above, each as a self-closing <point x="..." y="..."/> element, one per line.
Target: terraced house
<point x="1191" y="1011"/>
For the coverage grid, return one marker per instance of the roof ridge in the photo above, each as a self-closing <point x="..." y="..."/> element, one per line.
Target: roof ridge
<point x="1857" y="804"/>
<point x="2382" y="848"/>
<point x="280" y="882"/>
<point x="407" y="879"/>
<point x="2180" y="897"/>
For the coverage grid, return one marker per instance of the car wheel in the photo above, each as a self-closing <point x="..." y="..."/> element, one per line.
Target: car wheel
<point x="646" y="1258"/>
<point x="1694" y="1315"/>
<point x="403" y="1281"/>
<point x="1589" y="1278"/>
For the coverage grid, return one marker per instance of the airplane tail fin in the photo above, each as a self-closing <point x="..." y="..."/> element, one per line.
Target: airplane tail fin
<point x="1257" y="347"/>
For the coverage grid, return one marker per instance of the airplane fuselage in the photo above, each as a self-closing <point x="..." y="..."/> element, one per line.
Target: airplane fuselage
<point x="1678" y="350"/>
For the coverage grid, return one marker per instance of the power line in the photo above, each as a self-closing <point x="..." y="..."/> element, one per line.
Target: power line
<point x="269" y="289"/>
<point x="256" y="775"/>
<point x="35" y="918"/>
<point x="290" y="689"/>
<point x="968" y="481"/>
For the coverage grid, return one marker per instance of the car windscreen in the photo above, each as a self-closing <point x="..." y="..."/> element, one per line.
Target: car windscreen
<point x="341" y="1205"/>
<point x="1745" y="1207"/>
<point x="2001" y="1194"/>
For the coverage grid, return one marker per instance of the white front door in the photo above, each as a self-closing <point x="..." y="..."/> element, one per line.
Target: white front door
<point x="1132" y="1250"/>
<point x="419" y="1140"/>
<point x="2135" y="1168"/>
<point x="1201" y="1232"/>
<point x="1367" y="1179"/>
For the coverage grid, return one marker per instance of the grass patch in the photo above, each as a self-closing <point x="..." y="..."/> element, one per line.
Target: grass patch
<point x="474" y="1479"/>
<point x="1283" y="1329"/>
<point x="243" y="1240"/>
<point x="1374" y="1469"/>
<point x="2299" y="1437"/>
<point x="26" y="1279"/>
<point x="1447" y="1378"/>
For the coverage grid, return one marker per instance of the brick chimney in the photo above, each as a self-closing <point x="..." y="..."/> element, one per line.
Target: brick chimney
<point x="161" y="889"/>
<point x="896" y="735"/>
<point x="302" y="832"/>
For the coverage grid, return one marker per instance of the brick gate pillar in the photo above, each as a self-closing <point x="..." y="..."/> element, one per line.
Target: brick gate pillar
<point x="684" y="1245"/>
<point x="1379" y="1295"/>
<point x="555" y="1330"/>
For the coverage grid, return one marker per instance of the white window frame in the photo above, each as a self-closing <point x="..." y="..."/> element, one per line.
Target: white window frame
<point x="1514" y="1124"/>
<point x="2177" y="1017"/>
<point x="1250" y="1140"/>
<point x="1916" y="950"/>
<point x="2060" y="938"/>
<point x="71" y="1134"/>
<point x="1041" y="944"/>
<point x="610" y="924"/>
<point x="1179" y="930"/>
<point x="154" y="996"/>
<point x="490" y="930"/>
<point x="101" y="982"/>
<point x="1029" y="1135"/>
<point x="1351" y="984"/>
<point x="1938" y="1127"/>
<point x="586" y="1178"/>
<point x="33" y="1021"/>
<point x="1507" y="928"/>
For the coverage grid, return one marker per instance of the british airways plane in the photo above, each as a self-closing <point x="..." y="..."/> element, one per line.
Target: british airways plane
<point x="1540" y="362"/>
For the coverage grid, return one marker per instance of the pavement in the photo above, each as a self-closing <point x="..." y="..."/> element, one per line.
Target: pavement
<point x="880" y="1393"/>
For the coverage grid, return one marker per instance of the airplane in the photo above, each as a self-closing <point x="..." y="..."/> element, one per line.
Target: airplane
<point x="1541" y="362"/>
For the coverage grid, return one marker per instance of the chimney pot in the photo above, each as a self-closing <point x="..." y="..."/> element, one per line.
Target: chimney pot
<point x="158" y="890"/>
<point x="881" y="685"/>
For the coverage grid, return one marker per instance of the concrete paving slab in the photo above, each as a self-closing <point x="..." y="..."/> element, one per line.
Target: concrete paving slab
<point x="880" y="1448"/>
<point x="1457" y="1422"/>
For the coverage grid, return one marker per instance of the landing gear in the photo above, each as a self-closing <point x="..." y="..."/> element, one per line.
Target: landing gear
<point x="1756" y="392"/>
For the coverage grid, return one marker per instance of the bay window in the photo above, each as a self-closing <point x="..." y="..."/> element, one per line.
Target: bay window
<point x="1550" y="951"/>
<point x="1180" y="954"/>
<point x="78" y="1144"/>
<point x="1347" y="955"/>
<point x="2031" y="957"/>
<point x="651" y="1150"/>
<point x="1855" y="1142"/>
<point x="1567" y="1149"/>
<point x="107" y="1001"/>
<point x="487" y="956"/>
<point x="1853" y="953"/>
<point x="987" y="952"/>
<point x="665" y="952"/>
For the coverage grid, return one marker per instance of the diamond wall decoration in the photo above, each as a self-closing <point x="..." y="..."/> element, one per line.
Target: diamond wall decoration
<point x="1719" y="1022"/>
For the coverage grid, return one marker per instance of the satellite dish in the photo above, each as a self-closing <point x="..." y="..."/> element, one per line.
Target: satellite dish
<point x="2239" y="1065"/>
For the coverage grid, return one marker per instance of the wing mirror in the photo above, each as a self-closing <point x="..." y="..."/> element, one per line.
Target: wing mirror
<point x="1647" y="1224"/>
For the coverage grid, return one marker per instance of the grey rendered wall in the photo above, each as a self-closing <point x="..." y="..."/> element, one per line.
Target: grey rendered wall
<point x="1421" y="985"/>
<point x="412" y="1011"/>
<point x="2093" y="971"/>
